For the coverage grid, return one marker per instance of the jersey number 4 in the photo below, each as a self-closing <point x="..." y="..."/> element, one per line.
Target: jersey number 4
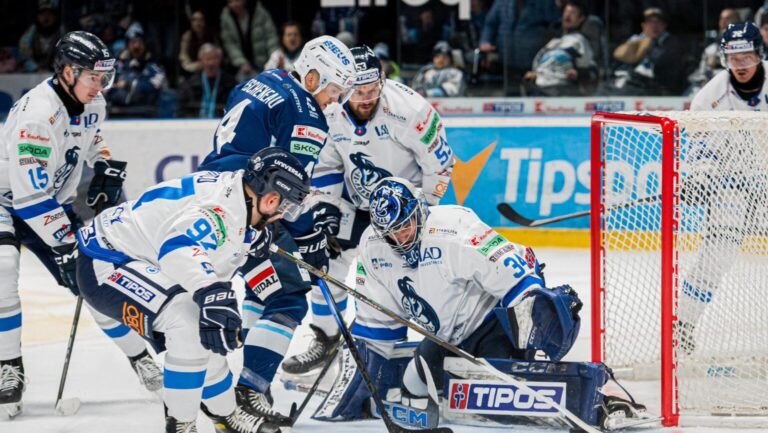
<point x="225" y="133"/>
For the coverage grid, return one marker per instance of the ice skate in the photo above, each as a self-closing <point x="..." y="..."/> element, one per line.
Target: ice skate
<point x="150" y="374"/>
<point x="320" y="351"/>
<point x="12" y="385"/>
<point x="240" y="421"/>
<point x="260" y="405"/>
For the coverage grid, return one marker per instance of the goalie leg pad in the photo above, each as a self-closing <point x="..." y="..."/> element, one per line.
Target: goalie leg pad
<point x="575" y="384"/>
<point x="348" y="397"/>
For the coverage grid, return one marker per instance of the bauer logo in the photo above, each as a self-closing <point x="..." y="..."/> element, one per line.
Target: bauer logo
<point x="490" y="397"/>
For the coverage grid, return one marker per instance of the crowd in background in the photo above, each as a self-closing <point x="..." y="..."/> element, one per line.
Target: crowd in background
<point x="182" y="57"/>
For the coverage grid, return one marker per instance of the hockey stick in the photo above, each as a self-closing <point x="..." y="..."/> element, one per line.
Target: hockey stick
<point x="391" y="426"/>
<point x="575" y="420"/>
<point x="509" y="213"/>
<point x="296" y="413"/>
<point x="70" y="406"/>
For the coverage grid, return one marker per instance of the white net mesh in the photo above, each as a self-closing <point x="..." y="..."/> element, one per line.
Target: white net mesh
<point x="721" y="247"/>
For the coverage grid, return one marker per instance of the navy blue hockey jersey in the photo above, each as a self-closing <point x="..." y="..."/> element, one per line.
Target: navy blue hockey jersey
<point x="270" y="109"/>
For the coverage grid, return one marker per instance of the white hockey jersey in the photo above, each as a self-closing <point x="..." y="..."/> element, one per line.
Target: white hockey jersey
<point x="465" y="270"/>
<point x="42" y="151"/>
<point x="719" y="95"/>
<point x="404" y="138"/>
<point x="193" y="228"/>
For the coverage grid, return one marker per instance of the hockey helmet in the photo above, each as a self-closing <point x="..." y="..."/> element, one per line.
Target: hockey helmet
<point x="333" y="62"/>
<point x="84" y="51"/>
<point x="741" y="38"/>
<point x="395" y="204"/>
<point x="274" y="169"/>
<point x="369" y="80"/>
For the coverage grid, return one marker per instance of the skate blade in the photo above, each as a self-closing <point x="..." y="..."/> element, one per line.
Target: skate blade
<point x="619" y="423"/>
<point x="11" y="409"/>
<point x="67" y="406"/>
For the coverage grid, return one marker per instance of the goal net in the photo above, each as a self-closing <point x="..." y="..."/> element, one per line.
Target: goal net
<point x="680" y="257"/>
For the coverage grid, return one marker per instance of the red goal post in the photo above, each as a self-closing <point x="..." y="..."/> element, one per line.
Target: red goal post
<point x="677" y="282"/>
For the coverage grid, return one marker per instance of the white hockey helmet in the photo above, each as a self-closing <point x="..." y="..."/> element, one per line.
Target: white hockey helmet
<point x="332" y="60"/>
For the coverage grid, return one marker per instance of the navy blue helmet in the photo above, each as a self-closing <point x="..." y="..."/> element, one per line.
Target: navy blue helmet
<point x="274" y="169"/>
<point x="82" y="50"/>
<point x="368" y="66"/>
<point x="741" y="38"/>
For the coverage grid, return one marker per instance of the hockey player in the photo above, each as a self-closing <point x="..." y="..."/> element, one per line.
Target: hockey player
<point x="444" y="269"/>
<point x="162" y="265"/>
<point x="285" y="109"/>
<point x="49" y="134"/>
<point x="386" y="129"/>
<point x="741" y="86"/>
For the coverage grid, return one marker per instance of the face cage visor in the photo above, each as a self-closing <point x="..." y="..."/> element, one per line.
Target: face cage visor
<point x="290" y="210"/>
<point x="92" y="79"/>
<point x="369" y="92"/>
<point x="415" y="221"/>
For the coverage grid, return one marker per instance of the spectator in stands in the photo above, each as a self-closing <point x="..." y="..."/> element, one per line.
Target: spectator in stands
<point x="204" y="94"/>
<point x="763" y="19"/>
<point x="709" y="65"/>
<point x="248" y="35"/>
<point x="650" y="60"/>
<point x="593" y="29"/>
<point x="517" y="29"/>
<point x="8" y="62"/>
<point x="389" y="67"/>
<point x="139" y="81"/>
<point x="347" y="38"/>
<point x="566" y="65"/>
<point x="191" y="41"/>
<point x="291" y="43"/>
<point x="36" y="46"/>
<point x="439" y="78"/>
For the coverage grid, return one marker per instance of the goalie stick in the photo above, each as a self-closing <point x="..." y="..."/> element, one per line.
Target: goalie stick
<point x="296" y="413"/>
<point x="568" y="415"/>
<point x="392" y="427"/>
<point x="509" y="213"/>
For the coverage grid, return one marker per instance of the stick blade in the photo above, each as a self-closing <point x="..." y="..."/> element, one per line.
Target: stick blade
<point x="67" y="406"/>
<point x="509" y="213"/>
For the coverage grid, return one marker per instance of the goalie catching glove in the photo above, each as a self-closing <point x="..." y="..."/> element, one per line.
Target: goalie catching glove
<point x="220" y="323"/>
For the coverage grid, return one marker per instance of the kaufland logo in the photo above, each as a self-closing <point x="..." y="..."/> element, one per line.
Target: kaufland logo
<point x="497" y="398"/>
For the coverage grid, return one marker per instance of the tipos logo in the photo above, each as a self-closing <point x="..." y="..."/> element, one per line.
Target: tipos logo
<point x="493" y="397"/>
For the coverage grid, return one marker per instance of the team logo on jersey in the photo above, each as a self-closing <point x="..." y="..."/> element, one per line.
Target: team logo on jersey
<point x="494" y="397"/>
<point x="364" y="176"/>
<point x="419" y="310"/>
<point x="62" y="174"/>
<point x="381" y="131"/>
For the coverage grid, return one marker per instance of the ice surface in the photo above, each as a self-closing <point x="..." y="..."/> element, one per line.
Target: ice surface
<point x="113" y="401"/>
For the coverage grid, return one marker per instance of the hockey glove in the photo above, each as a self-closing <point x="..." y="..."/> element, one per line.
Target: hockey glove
<point x="313" y="248"/>
<point x="260" y="246"/>
<point x="65" y="257"/>
<point x="107" y="183"/>
<point x="327" y="218"/>
<point x="220" y="323"/>
<point x="556" y="321"/>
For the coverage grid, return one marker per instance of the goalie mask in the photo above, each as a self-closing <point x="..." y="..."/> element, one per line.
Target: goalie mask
<point x="398" y="213"/>
<point x="741" y="46"/>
